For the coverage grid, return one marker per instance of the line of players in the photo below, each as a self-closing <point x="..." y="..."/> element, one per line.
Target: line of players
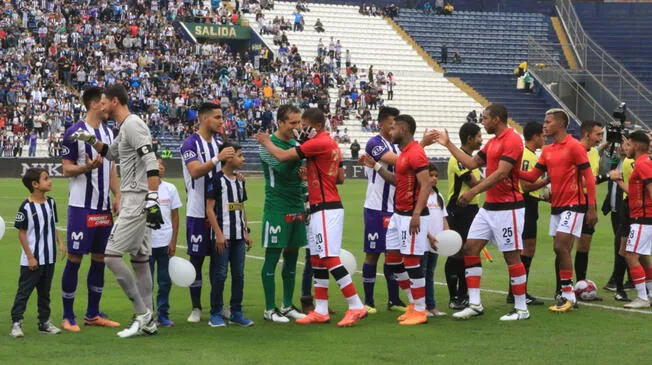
<point x="501" y="220"/>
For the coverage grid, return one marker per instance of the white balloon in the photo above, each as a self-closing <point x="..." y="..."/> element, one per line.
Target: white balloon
<point x="182" y="272"/>
<point x="2" y="228"/>
<point x="449" y="243"/>
<point x="348" y="260"/>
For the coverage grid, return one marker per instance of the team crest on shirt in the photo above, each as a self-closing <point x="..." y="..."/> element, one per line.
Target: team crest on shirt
<point x="189" y="154"/>
<point x="526" y="164"/>
<point x="20" y="217"/>
<point x="65" y="151"/>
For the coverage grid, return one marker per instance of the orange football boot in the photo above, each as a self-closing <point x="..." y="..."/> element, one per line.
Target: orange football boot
<point x="69" y="325"/>
<point x="351" y="317"/>
<point x="314" y="317"/>
<point x="100" y="322"/>
<point x="410" y="309"/>
<point x="416" y="317"/>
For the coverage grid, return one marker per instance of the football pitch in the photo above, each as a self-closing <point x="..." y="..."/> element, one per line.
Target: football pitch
<point x="600" y="333"/>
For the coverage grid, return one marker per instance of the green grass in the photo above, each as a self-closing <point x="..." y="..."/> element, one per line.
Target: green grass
<point x="588" y="335"/>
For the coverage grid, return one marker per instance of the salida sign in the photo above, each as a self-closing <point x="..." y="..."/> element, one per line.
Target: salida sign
<point x="218" y="31"/>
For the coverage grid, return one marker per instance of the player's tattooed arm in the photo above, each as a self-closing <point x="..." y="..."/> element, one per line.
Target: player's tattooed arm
<point x="368" y="161"/>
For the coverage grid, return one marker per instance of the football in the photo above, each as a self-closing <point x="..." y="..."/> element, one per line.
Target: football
<point x="586" y="290"/>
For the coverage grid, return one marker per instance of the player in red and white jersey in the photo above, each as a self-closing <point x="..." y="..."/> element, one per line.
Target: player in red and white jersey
<point x="567" y="164"/>
<point x="324" y="172"/>
<point x="406" y="239"/>
<point x="501" y="218"/>
<point x="639" y="241"/>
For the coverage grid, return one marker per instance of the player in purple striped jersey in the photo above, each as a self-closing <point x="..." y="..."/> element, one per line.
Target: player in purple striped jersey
<point x="89" y="211"/>
<point x="201" y="157"/>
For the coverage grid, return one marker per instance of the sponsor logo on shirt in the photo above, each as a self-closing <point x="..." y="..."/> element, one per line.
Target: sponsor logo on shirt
<point x="20" y="217"/>
<point x="99" y="220"/>
<point x="235" y="206"/>
<point x="189" y="154"/>
<point x="377" y="150"/>
<point x="196" y="239"/>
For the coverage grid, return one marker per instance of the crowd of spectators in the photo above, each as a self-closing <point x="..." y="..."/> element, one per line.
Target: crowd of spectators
<point x="390" y="10"/>
<point x="51" y="50"/>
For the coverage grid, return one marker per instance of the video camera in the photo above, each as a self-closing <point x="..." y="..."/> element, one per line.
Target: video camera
<point x="616" y="129"/>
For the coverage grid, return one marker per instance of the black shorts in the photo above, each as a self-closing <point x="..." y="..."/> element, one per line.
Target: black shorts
<point x="531" y="217"/>
<point x="624" y="219"/>
<point x="461" y="218"/>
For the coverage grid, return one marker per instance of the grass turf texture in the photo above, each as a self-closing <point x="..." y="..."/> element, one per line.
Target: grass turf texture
<point x="586" y="335"/>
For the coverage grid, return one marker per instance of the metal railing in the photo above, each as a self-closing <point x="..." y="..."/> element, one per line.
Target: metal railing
<point x="570" y="90"/>
<point x="610" y="72"/>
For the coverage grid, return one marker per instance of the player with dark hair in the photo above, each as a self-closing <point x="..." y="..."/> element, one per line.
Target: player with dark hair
<point x="501" y="218"/>
<point x="89" y="211"/>
<point x="326" y="215"/>
<point x="460" y="218"/>
<point x="534" y="139"/>
<point x="284" y="229"/>
<point x="569" y="170"/>
<point x="407" y="233"/>
<point x="139" y="211"/>
<point x="378" y="209"/>
<point x="639" y="242"/>
<point x="201" y="157"/>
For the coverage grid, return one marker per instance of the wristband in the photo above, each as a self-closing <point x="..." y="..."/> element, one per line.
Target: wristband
<point x="377" y="166"/>
<point x="215" y="160"/>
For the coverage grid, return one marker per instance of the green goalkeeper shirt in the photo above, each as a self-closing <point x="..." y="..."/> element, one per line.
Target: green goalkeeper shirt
<point x="284" y="191"/>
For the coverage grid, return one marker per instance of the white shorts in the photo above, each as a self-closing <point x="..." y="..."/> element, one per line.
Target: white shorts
<point x="640" y="239"/>
<point x="399" y="237"/>
<point x="501" y="227"/>
<point x="566" y="222"/>
<point x="325" y="232"/>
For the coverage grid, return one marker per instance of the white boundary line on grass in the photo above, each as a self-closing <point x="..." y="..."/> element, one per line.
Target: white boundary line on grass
<point x="619" y="309"/>
<point x="497" y="291"/>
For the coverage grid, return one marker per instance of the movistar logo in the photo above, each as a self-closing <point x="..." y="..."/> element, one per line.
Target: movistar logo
<point x="275" y="229"/>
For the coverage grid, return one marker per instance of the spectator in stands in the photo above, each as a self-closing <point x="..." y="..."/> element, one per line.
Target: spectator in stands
<point x="302" y="6"/>
<point x="319" y="27"/>
<point x="298" y="22"/>
<point x="363" y="9"/>
<point x="457" y="57"/>
<point x="444" y="53"/>
<point x="427" y="8"/>
<point x="439" y="6"/>
<point x="32" y="139"/>
<point x="448" y="9"/>
<point x="355" y="149"/>
<point x="347" y="59"/>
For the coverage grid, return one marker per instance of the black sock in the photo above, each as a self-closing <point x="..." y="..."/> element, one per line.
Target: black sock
<point x="581" y="265"/>
<point x="450" y="270"/>
<point x="462" y="290"/>
<point x="619" y="272"/>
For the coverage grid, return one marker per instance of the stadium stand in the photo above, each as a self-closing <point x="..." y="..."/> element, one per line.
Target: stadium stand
<point x="427" y="95"/>
<point x="491" y="45"/>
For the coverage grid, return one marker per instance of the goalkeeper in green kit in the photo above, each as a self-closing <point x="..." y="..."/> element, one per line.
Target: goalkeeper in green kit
<point x="284" y="229"/>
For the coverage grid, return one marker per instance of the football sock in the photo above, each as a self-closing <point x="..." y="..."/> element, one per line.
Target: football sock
<point x="368" y="282"/>
<point x="195" y="286"/>
<point x="127" y="281"/>
<point x="95" y="283"/>
<point x="306" y="279"/>
<point x="566" y="281"/>
<point x="267" y="275"/>
<point x="392" y="285"/>
<point x="648" y="280"/>
<point x="144" y="280"/>
<point x="450" y="270"/>
<point x="473" y="275"/>
<point x="68" y="288"/>
<point x="289" y="274"/>
<point x="321" y="285"/>
<point x="581" y="265"/>
<point x="417" y="281"/>
<point x="344" y="281"/>
<point x="638" y="278"/>
<point x="518" y="278"/>
<point x="395" y="262"/>
<point x="462" y="289"/>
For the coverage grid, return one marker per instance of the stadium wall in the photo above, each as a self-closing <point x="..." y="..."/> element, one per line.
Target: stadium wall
<point x="15" y="168"/>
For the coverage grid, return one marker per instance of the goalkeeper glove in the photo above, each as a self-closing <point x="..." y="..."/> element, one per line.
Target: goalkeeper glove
<point x="84" y="136"/>
<point x="153" y="217"/>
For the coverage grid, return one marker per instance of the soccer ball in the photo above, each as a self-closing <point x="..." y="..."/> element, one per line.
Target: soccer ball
<point x="586" y="290"/>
